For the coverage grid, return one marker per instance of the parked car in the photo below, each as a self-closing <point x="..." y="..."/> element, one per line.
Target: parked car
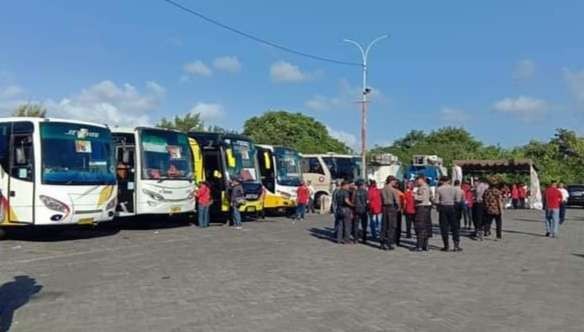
<point x="576" y="195"/>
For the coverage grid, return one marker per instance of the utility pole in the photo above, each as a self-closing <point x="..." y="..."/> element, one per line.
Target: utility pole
<point x="364" y="92"/>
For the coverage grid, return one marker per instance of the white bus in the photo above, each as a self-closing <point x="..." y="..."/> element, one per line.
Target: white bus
<point x="154" y="169"/>
<point x="322" y="170"/>
<point x="55" y="172"/>
<point x="281" y="172"/>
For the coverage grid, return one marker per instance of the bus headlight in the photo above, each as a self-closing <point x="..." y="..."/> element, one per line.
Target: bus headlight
<point x="112" y="204"/>
<point x="153" y="195"/>
<point x="54" y="204"/>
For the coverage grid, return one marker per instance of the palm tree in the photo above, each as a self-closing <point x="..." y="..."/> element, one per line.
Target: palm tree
<point x="32" y="110"/>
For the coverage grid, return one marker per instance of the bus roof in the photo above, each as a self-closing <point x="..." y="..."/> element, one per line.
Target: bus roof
<point x="38" y="120"/>
<point x="330" y="155"/>
<point x="130" y="130"/>
<point x="217" y="137"/>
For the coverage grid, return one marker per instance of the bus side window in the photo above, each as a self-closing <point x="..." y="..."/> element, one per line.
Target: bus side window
<point x="4" y="146"/>
<point x="312" y="165"/>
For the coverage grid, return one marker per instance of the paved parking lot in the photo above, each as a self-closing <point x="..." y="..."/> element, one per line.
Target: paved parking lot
<point x="280" y="276"/>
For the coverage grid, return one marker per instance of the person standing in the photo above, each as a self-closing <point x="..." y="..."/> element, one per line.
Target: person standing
<point x="311" y="202"/>
<point x="553" y="201"/>
<point x="204" y="201"/>
<point x="237" y="198"/>
<point x="459" y="205"/>
<point x="515" y="196"/>
<point x="302" y="200"/>
<point x="391" y="206"/>
<point x="423" y="213"/>
<point x="493" y="200"/>
<point x="398" y="226"/>
<point x="468" y="202"/>
<point x="360" y="203"/>
<point x="409" y="208"/>
<point x="565" y="197"/>
<point x="375" y="209"/>
<point x="447" y="197"/>
<point x="479" y="208"/>
<point x="344" y="213"/>
<point x="522" y="195"/>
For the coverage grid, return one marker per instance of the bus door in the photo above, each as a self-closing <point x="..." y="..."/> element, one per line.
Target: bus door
<point x="215" y="176"/>
<point x="126" y="176"/>
<point x="267" y="169"/>
<point x="21" y="181"/>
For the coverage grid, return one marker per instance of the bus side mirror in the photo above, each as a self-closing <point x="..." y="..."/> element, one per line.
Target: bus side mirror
<point x="20" y="156"/>
<point x="267" y="160"/>
<point x="126" y="157"/>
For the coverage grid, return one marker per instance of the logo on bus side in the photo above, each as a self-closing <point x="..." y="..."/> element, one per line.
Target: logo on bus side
<point x="82" y="133"/>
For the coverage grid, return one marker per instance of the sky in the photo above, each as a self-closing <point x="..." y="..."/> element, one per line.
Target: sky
<point x="507" y="71"/>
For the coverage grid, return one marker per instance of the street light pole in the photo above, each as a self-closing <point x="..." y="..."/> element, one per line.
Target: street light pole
<point x="364" y="92"/>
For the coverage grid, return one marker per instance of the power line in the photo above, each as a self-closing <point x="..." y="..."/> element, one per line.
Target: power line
<point x="258" y="39"/>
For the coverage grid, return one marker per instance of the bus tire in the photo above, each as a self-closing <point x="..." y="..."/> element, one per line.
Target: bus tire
<point x="2" y="233"/>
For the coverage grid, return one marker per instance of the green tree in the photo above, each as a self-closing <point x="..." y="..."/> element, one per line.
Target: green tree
<point x="294" y="130"/>
<point x="32" y="110"/>
<point x="190" y="121"/>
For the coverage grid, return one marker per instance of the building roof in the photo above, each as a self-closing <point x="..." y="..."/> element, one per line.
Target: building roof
<point x="496" y="166"/>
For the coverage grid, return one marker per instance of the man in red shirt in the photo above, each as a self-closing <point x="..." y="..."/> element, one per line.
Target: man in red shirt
<point x="409" y="208"/>
<point x="375" y="208"/>
<point x="553" y="200"/>
<point x="203" y="196"/>
<point x="302" y="199"/>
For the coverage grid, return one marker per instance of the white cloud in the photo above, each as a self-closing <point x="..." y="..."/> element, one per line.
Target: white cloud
<point x="349" y="139"/>
<point x="453" y="116"/>
<point x="524" y="69"/>
<point x="285" y="72"/>
<point x="11" y="96"/>
<point x="347" y="95"/>
<point x="575" y="81"/>
<point x="527" y="108"/>
<point x="10" y="91"/>
<point x="209" y="112"/>
<point x="229" y="64"/>
<point x="107" y="102"/>
<point x="197" y="68"/>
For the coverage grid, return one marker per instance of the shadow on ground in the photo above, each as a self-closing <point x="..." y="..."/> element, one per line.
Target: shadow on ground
<point x="58" y="234"/>
<point x="14" y="295"/>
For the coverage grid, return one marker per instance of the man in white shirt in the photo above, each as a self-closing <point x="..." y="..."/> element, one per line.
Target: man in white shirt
<point x="565" y="196"/>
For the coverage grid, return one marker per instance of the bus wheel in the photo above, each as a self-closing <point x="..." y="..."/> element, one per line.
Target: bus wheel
<point x="2" y="233"/>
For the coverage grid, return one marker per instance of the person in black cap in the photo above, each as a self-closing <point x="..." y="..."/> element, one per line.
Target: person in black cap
<point x="344" y="213"/>
<point x="391" y="207"/>
<point x="423" y="219"/>
<point x="361" y="217"/>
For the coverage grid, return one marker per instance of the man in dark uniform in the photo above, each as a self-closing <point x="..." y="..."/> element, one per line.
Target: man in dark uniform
<point x="391" y="207"/>
<point x="344" y="213"/>
<point x="423" y="218"/>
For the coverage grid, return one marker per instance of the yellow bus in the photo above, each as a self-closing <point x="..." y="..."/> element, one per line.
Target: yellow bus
<point x="220" y="158"/>
<point x="281" y="176"/>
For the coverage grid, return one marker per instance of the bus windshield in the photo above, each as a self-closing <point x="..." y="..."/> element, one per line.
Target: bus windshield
<point x="241" y="160"/>
<point x="76" y="154"/>
<point x="346" y="168"/>
<point x="288" y="168"/>
<point x="166" y="155"/>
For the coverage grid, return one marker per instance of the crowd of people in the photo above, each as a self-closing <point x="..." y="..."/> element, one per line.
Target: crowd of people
<point x="361" y="209"/>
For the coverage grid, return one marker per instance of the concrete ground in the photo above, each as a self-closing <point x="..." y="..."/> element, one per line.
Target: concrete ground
<point x="280" y="276"/>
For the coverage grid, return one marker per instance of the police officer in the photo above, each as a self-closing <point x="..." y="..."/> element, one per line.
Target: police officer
<point x="391" y="207"/>
<point x="447" y="198"/>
